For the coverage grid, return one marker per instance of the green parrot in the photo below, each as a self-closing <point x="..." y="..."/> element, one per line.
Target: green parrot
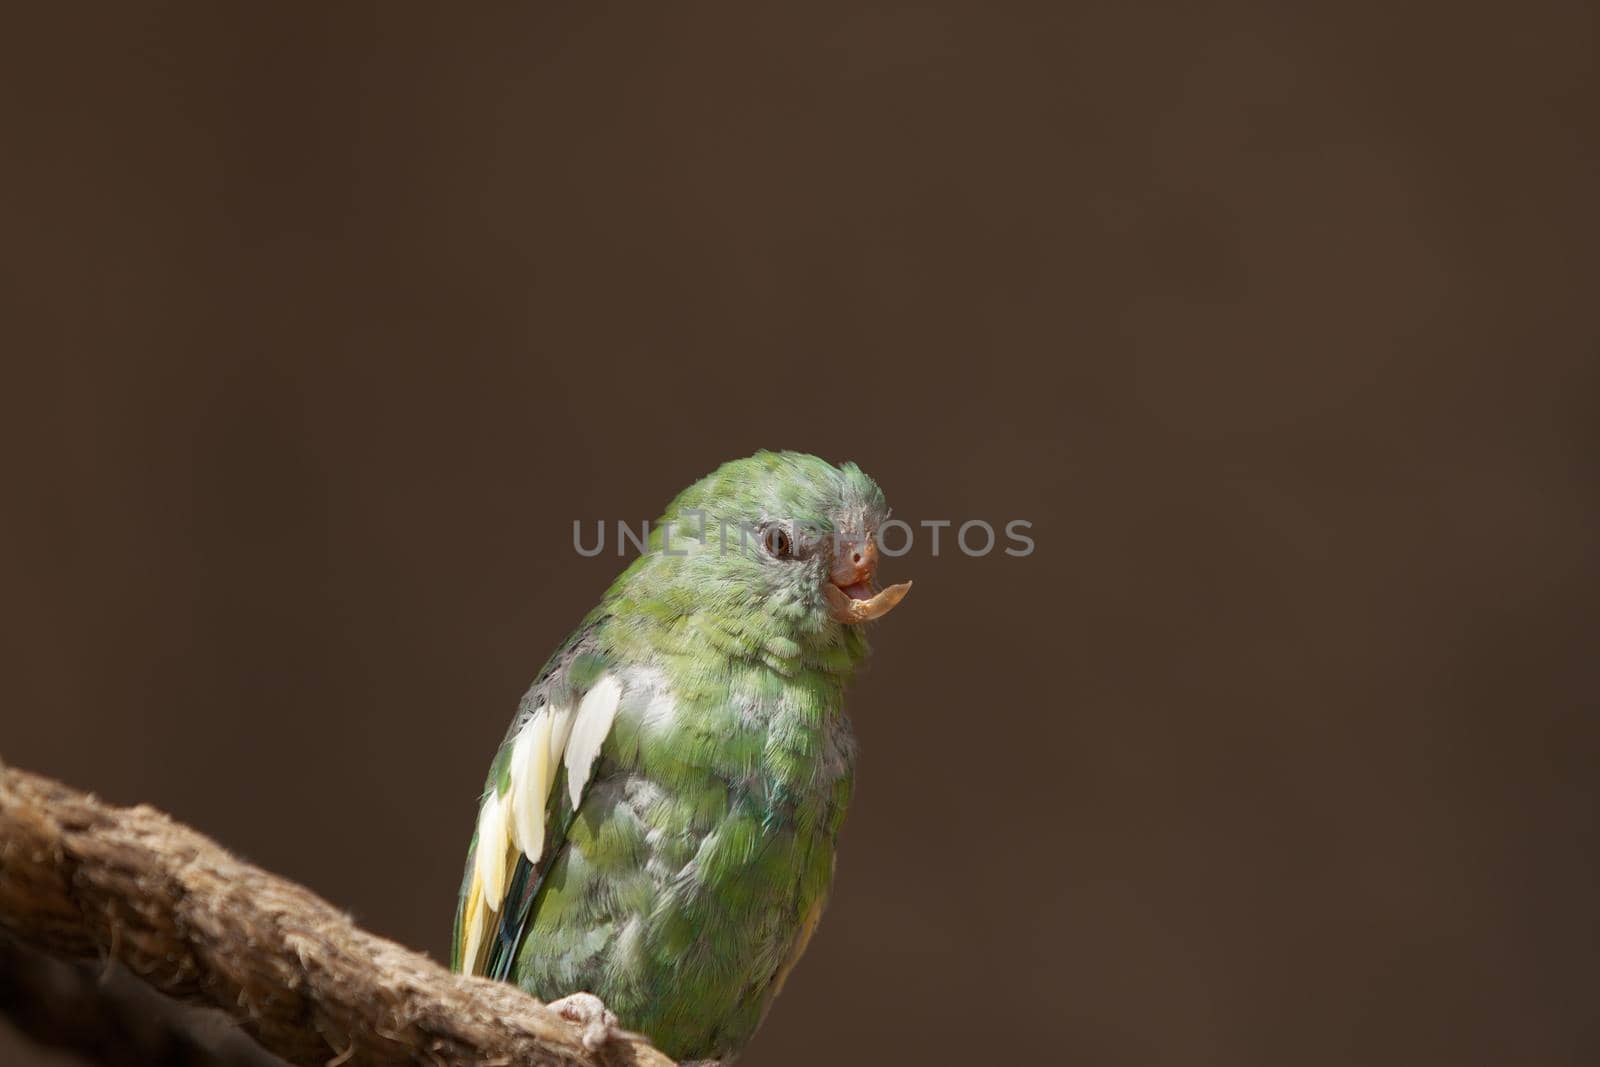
<point x="656" y="837"/>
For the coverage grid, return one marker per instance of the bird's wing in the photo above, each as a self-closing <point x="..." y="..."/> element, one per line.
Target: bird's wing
<point x="523" y="817"/>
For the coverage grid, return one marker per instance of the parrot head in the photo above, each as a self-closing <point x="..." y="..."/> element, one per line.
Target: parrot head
<point x="778" y="545"/>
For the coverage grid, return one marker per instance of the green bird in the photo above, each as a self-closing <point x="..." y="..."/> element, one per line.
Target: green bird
<point x="656" y="837"/>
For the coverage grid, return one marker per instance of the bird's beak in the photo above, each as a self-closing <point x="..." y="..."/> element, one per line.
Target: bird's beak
<point x="851" y="597"/>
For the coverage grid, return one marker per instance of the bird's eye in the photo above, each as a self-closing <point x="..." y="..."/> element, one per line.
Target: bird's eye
<point x="778" y="543"/>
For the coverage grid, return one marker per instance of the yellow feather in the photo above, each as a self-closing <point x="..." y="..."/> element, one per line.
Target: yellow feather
<point x="474" y="924"/>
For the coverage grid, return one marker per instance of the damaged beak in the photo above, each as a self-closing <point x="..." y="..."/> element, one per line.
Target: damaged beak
<point x="851" y="597"/>
<point x="847" y="609"/>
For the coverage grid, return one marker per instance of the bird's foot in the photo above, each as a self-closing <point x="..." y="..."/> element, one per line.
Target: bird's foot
<point x="598" y="1023"/>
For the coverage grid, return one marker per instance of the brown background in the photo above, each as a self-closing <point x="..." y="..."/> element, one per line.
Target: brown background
<point x="323" y="323"/>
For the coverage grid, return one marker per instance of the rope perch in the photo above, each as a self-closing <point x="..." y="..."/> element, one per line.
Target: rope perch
<point x="79" y="878"/>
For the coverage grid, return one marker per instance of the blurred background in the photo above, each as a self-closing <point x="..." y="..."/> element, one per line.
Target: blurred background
<point x="323" y="323"/>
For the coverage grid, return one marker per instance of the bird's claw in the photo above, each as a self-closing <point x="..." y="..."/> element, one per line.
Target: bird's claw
<point x="597" y="1023"/>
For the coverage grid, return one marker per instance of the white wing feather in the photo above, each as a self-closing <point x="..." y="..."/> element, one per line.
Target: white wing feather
<point x="595" y="714"/>
<point x="530" y="782"/>
<point x="553" y="735"/>
<point x="491" y="860"/>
